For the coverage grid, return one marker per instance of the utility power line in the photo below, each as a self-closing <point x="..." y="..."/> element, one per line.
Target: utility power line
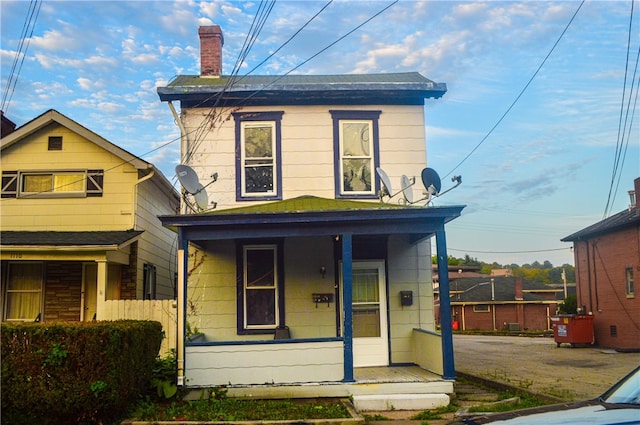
<point x="519" y="95"/>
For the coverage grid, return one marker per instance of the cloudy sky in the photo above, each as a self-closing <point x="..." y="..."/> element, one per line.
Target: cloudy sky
<point x="539" y="117"/>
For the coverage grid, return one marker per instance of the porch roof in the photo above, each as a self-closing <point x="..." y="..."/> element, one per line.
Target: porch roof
<point x="313" y="216"/>
<point x="48" y="238"/>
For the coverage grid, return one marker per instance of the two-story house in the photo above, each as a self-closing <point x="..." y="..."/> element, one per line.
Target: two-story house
<point x="301" y="274"/>
<point x="607" y="258"/>
<point x="79" y="224"/>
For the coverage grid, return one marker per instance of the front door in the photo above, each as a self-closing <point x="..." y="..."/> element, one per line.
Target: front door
<point x="370" y="336"/>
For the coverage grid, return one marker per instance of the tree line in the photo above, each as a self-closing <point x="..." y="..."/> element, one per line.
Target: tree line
<point x="544" y="272"/>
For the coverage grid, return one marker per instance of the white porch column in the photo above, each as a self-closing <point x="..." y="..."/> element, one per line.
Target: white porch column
<point x="101" y="289"/>
<point x="183" y="260"/>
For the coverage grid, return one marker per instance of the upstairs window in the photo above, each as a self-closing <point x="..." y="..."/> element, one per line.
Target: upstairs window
<point x="58" y="182"/>
<point x="356" y="153"/>
<point x="45" y="184"/>
<point x="258" y="156"/>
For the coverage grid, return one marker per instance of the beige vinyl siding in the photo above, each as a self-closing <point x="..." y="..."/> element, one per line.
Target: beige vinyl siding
<point x="408" y="271"/>
<point x="307" y="149"/>
<point x="211" y="305"/>
<point x="157" y="245"/>
<point x="282" y="363"/>
<point x="211" y="295"/>
<point x="304" y="257"/>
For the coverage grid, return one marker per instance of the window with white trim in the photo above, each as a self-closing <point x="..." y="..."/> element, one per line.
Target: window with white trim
<point x="356" y="153"/>
<point x="481" y="308"/>
<point x="630" y="283"/>
<point x="258" y="157"/>
<point x="23" y="295"/>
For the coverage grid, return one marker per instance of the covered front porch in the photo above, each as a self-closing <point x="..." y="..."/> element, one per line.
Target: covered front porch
<point x="364" y="249"/>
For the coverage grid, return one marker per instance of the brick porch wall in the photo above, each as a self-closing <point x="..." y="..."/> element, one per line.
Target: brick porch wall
<point x="62" y="291"/>
<point x="129" y="276"/>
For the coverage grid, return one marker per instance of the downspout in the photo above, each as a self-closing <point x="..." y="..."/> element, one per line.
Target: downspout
<point x="595" y="275"/>
<point x="184" y="141"/>
<point x="586" y="243"/>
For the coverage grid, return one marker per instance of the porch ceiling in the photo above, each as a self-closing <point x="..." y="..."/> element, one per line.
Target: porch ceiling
<point x="313" y="216"/>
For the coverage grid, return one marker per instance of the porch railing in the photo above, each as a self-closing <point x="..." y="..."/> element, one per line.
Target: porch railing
<point x="427" y="350"/>
<point x="162" y="311"/>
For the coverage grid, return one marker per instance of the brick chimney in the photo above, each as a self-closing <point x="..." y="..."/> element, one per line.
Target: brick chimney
<point x="519" y="289"/>
<point x="211" y="42"/>
<point x="635" y="194"/>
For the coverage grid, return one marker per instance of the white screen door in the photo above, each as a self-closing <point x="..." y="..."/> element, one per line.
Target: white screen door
<point x="370" y="336"/>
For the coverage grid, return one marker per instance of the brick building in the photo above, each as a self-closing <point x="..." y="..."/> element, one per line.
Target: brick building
<point x="607" y="259"/>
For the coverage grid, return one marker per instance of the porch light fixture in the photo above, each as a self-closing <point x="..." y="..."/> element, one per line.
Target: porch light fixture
<point x="323" y="271"/>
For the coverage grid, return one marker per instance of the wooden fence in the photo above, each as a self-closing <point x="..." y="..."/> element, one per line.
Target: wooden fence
<point x="163" y="311"/>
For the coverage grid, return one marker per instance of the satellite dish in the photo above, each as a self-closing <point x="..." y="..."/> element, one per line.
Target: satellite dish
<point x="202" y="198"/>
<point x="191" y="184"/>
<point x="386" y="183"/>
<point x="431" y="181"/>
<point x="188" y="178"/>
<point x="407" y="191"/>
<point x="433" y="185"/>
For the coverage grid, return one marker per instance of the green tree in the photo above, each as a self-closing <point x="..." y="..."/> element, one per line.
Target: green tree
<point x="569" y="305"/>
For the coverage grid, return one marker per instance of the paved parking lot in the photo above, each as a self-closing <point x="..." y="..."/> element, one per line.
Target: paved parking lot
<point x="538" y="365"/>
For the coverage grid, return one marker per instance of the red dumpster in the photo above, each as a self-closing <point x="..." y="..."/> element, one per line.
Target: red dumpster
<point x="573" y="329"/>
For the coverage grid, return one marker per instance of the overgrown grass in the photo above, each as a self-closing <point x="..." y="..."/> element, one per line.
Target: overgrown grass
<point x="436" y="413"/>
<point x="523" y="401"/>
<point x="230" y="409"/>
<point x="373" y="418"/>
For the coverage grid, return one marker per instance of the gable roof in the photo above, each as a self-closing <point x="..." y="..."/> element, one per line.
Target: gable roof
<point x="409" y="88"/>
<point x="53" y="116"/>
<point x="619" y="221"/>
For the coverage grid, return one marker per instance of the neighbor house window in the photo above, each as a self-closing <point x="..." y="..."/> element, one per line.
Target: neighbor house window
<point x="258" y="156"/>
<point x="23" y="296"/>
<point x="149" y="281"/>
<point x="631" y="287"/>
<point x="356" y="153"/>
<point x="481" y="308"/>
<point x="259" y="304"/>
<point x="46" y="183"/>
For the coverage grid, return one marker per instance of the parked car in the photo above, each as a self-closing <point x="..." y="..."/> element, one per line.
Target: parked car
<point x="619" y="405"/>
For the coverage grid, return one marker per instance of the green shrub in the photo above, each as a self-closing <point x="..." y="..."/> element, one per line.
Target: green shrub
<point x="75" y="373"/>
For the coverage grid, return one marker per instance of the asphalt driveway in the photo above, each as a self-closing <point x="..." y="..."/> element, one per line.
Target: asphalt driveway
<point x="537" y="365"/>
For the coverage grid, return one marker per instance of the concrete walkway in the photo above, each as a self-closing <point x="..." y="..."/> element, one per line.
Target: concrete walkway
<point x="538" y="365"/>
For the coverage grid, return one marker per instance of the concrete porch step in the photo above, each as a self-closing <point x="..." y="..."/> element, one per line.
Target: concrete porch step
<point x="382" y="402"/>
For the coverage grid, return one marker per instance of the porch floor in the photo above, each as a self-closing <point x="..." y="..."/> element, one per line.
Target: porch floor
<point x="368" y="381"/>
<point x="383" y="374"/>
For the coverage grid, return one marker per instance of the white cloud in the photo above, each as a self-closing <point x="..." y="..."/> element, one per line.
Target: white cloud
<point x="87" y="84"/>
<point x="55" y="40"/>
